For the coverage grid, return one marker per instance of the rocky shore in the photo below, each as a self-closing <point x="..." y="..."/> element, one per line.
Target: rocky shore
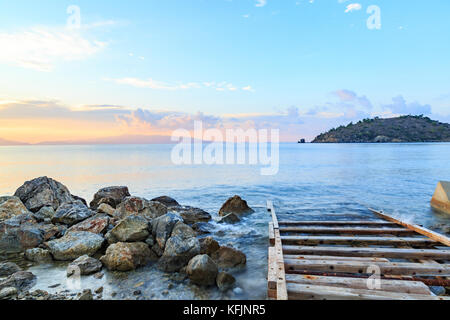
<point x="115" y="232"/>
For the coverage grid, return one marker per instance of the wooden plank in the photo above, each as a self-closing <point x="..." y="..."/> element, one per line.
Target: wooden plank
<point x="271" y="234"/>
<point x="314" y="240"/>
<point x="415" y="287"/>
<point x="272" y="275"/>
<point x="338" y="223"/>
<point x="311" y="292"/>
<point x="370" y="252"/>
<point x="340" y="230"/>
<point x="271" y="208"/>
<point x="280" y="265"/>
<point x="309" y="257"/>
<point x="424" y="231"/>
<point x="388" y="268"/>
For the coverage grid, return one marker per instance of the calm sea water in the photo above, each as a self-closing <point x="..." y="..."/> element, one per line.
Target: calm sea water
<point x="338" y="179"/>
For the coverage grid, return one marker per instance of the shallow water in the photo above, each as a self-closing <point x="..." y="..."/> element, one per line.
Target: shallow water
<point x="338" y="179"/>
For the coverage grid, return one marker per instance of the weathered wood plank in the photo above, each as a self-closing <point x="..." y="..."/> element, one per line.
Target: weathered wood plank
<point x="281" y="276"/>
<point x="370" y="252"/>
<point x="272" y="275"/>
<point x="271" y="208"/>
<point x="309" y="257"/>
<point x="271" y="234"/>
<point x="340" y="230"/>
<point x="388" y="268"/>
<point x="338" y="223"/>
<point x="314" y="240"/>
<point x="424" y="231"/>
<point x="311" y="292"/>
<point x="414" y="287"/>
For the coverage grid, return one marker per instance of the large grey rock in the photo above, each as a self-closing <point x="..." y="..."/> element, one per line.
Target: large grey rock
<point x="96" y="224"/>
<point x="167" y="201"/>
<point x="208" y="246"/>
<point x="8" y="293"/>
<point x="225" y="281"/>
<point x="202" y="270"/>
<point x="130" y="229"/>
<point x="235" y="205"/>
<point x="42" y="192"/>
<point x="71" y="213"/>
<point x="44" y="214"/>
<point x="162" y="228"/>
<point x="21" y="280"/>
<point x="106" y="208"/>
<point x="38" y="255"/>
<point x="227" y="257"/>
<point x="20" y="233"/>
<point x="128" y="256"/>
<point x="84" y="265"/>
<point x="140" y="207"/>
<point x="75" y="244"/>
<point x="8" y="268"/>
<point x="113" y="196"/>
<point x="191" y="215"/>
<point x="181" y="247"/>
<point x="230" y="218"/>
<point x="11" y="207"/>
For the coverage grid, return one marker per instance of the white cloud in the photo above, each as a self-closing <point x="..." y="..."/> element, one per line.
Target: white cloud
<point x="260" y="3"/>
<point x="41" y="48"/>
<point x="353" y="7"/>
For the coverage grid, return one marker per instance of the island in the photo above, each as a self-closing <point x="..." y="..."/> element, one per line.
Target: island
<point x="378" y="130"/>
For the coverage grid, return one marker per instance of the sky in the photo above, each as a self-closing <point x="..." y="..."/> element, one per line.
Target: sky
<point x="77" y="71"/>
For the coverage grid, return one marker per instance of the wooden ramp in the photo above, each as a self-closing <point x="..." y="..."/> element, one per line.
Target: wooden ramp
<point x="381" y="258"/>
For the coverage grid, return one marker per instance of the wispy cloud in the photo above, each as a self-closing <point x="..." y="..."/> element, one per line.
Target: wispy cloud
<point x="260" y="3"/>
<point x="353" y="7"/>
<point x="41" y="48"/>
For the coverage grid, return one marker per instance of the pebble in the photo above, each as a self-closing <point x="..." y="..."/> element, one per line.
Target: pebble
<point x="99" y="290"/>
<point x="238" y="291"/>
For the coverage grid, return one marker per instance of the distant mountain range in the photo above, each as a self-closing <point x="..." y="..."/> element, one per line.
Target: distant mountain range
<point x="4" y="142"/>
<point x="377" y="130"/>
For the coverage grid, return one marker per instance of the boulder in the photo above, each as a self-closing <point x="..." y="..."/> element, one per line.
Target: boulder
<point x="84" y="265"/>
<point x="11" y="207"/>
<point x="44" y="214"/>
<point x="38" y="255"/>
<point x="106" y="208"/>
<point x="86" y="295"/>
<point x="162" y="228"/>
<point x="72" y="212"/>
<point x="130" y="229"/>
<point x="167" y="201"/>
<point x="181" y="247"/>
<point x="235" y="205"/>
<point x="128" y="256"/>
<point x="202" y="270"/>
<point x="20" y="280"/>
<point x="114" y="196"/>
<point x="20" y="233"/>
<point x="441" y="197"/>
<point x="225" y="281"/>
<point x="96" y="224"/>
<point x="202" y="227"/>
<point x="227" y="257"/>
<point x="8" y="268"/>
<point x="75" y="244"/>
<point x="230" y="218"/>
<point x="8" y="293"/>
<point x="191" y="215"/>
<point x="140" y="207"/>
<point x="42" y="192"/>
<point x="80" y="199"/>
<point x="208" y="246"/>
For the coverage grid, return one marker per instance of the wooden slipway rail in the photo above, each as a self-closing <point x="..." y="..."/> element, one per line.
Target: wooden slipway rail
<point x="373" y="259"/>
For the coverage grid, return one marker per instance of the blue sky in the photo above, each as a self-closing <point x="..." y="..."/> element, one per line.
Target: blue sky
<point x="302" y="65"/>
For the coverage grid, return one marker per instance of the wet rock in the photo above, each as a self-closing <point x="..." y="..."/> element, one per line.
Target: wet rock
<point x="42" y="192"/>
<point x="10" y="207"/>
<point x="86" y="295"/>
<point x="179" y="249"/>
<point x="150" y="241"/>
<point x="183" y="230"/>
<point x="20" y="233"/>
<point x="227" y="257"/>
<point x="191" y="215"/>
<point x="106" y="208"/>
<point x="202" y="227"/>
<point x="131" y="229"/>
<point x="208" y="246"/>
<point x="98" y="275"/>
<point x="71" y="213"/>
<point x="80" y="199"/>
<point x="38" y="255"/>
<point x="8" y="293"/>
<point x="75" y="244"/>
<point x="128" y="256"/>
<point x="99" y="290"/>
<point x="162" y="228"/>
<point x="21" y="280"/>
<point x="230" y="218"/>
<point x="140" y="207"/>
<point x="167" y="201"/>
<point x="114" y="196"/>
<point x="84" y="265"/>
<point x="44" y="214"/>
<point x="437" y="290"/>
<point x="202" y="270"/>
<point x="96" y="224"/>
<point x="225" y="281"/>
<point x="235" y="205"/>
<point x="8" y="268"/>
<point x="50" y="231"/>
